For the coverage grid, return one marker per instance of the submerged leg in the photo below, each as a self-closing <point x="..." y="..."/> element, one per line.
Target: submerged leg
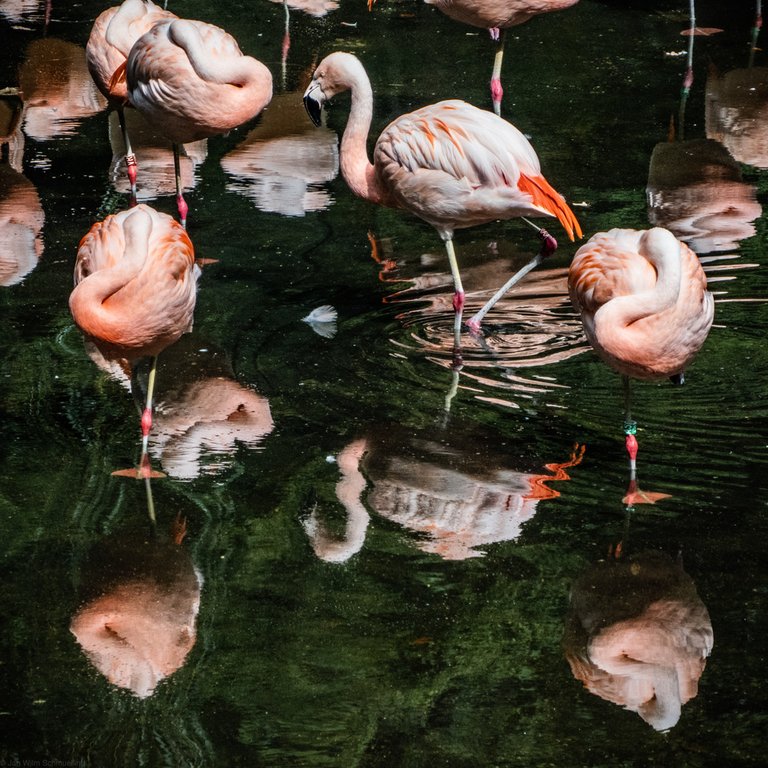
<point x="181" y="203"/>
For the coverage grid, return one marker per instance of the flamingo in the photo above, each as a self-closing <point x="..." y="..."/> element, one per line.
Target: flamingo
<point x="191" y="80"/>
<point x="644" y="304"/>
<point x="135" y="290"/>
<point x="112" y="36"/>
<point x="451" y="164"/>
<point x="496" y="16"/>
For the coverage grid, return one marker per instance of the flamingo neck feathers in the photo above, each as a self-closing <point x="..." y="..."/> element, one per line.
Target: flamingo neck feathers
<point x="614" y="320"/>
<point x="356" y="168"/>
<point x="237" y="70"/>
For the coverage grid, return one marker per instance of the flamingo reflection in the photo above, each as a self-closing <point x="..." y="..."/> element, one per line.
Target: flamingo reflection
<point x="638" y="635"/>
<point x="695" y="187"/>
<point x="457" y="504"/>
<point x="140" y="600"/>
<point x="282" y="163"/>
<point x="737" y="107"/>
<point x="21" y="212"/>
<point x="58" y="89"/>
<point x="202" y="413"/>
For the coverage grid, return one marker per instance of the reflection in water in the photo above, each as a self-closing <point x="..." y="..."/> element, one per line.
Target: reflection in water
<point x="696" y="191"/>
<point x="157" y="177"/>
<point x="201" y="412"/>
<point x="140" y="600"/>
<point x="21" y="212"/>
<point x="283" y="162"/>
<point x="530" y="327"/>
<point x="459" y="501"/>
<point x="638" y="635"/>
<point x="737" y="113"/>
<point x="58" y="89"/>
<point x="18" y="11"/>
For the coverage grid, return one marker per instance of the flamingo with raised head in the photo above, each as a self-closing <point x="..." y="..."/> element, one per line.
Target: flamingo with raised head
<point x="112" y="36"/>
<point x="191" y="81"/>
<point x="496" y="16"/>
<point x="135" y="290"/>
<point x="451" y="164"/>
<point x="644" y="304"/>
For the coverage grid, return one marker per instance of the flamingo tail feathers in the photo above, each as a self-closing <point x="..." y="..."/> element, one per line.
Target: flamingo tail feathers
<point x="544" y="196"/>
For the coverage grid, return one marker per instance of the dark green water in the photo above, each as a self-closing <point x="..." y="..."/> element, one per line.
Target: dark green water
<point x="419" y="608"/>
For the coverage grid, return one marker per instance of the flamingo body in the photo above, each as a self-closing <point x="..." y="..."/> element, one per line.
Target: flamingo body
<point x="135" y="283"/>
<point x="457" y="166"/>
<point x="497" y="14"/>
<point x="192" y="81"/>
<point x="643" y="300"/>
<point x="112" y="36"/>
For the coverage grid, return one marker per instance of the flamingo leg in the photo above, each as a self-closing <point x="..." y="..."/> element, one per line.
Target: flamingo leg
<point x="181" y="203"/>
<point x="497" y="91"/>
<point x="458" y="295"/>
<point x="146" y="416"/>
<point x="130" y="159"/>
<point x="286" y="42"/>
<point x="548" y="247"/>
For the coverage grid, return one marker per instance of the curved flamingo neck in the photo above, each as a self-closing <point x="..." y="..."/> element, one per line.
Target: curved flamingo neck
<point x="226" y="70"/>
<point x="356" y="168"/>
<point x="617" y="315"/>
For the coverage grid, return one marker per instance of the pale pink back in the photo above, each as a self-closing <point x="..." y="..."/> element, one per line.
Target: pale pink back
<point x="497" y="13"/>
<point x="192" y="81"/>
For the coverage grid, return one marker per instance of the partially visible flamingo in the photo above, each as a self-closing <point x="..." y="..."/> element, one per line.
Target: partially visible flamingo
<point x="496" y="16"/>
<point x="644" y="305"/>
<point x="135" y="290"/>
<point x="192" y="81"/>
<point x="112" y="36"/>
<point x="451" y="164"/>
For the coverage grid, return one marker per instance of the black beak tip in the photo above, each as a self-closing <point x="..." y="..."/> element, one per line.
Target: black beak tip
<point x="313" y="109"/>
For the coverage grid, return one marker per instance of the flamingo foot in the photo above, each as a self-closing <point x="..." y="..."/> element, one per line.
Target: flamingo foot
<point x="548" y="243"/>
<point x="143" y="472"/>
<point x="635" y="495"/>
<point x="494" y="33"/>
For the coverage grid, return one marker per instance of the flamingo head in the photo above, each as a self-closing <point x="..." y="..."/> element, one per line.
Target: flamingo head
<point x="336" y="73"/>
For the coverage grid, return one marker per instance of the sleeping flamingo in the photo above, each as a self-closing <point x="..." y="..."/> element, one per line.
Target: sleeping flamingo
<point x="644" y="305"/>
<point x="496" y="16"/>
<point x="135" y="290"/>
<point x="191" y="80"/>
<point x="451" y="164"/>
<point x="113" y="34"/>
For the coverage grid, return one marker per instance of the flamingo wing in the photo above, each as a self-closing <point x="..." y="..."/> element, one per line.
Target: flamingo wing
<point x="457" y="166"/>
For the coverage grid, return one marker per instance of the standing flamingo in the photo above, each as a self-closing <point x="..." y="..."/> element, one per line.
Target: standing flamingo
<point x="112" y="36"/>
<point x="192" y="81"/>
<point x="644" y="304"/>
<point x="449" y="163"/>
<point x="496" y="16"/>
<point x="135" y="290"/>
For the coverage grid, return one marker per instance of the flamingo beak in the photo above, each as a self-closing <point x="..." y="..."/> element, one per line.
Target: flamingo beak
<point x="312" y="103"/>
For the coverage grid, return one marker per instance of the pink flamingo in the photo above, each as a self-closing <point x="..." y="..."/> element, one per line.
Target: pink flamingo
<point x="496" y="16"/>
<point x="191" y="80"/>
<point x="451" y="164"/>
<point x="112" y="36"/>
<point x="644" y="304"/>
<point x="135" y="290"/>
